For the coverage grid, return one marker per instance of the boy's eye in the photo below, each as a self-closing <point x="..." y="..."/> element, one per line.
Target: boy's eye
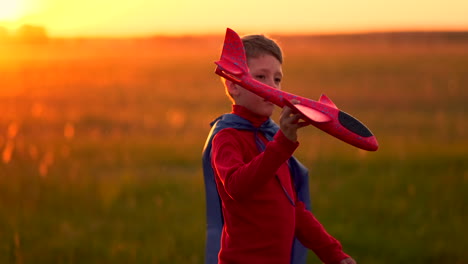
<point x="260" y="77"/>
<point x="277" y="80"/>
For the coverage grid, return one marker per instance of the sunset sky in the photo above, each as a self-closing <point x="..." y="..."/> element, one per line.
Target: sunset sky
<point x="150" y="17"/>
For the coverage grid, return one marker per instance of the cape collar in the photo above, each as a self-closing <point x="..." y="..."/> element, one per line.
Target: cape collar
<point x="255" y="119"/>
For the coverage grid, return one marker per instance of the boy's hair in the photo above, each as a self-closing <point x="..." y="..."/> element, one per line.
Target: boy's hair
<point x="256" y="46"/>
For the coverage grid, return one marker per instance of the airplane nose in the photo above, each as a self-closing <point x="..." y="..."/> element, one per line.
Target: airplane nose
<point x="372" y="144"/>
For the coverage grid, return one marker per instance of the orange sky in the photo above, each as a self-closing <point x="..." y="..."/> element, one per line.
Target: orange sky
<point x="149" y="17"/>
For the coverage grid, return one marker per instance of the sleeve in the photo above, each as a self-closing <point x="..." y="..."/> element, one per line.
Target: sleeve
<point x="239" y="179"/>
<point x="314" y="236"/>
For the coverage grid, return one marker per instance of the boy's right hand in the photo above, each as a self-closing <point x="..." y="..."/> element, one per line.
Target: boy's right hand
<point x="348" y="261"/>
<point x="290" y="122"/>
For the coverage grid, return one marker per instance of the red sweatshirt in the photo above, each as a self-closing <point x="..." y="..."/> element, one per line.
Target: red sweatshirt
<point x="260" y="222"/>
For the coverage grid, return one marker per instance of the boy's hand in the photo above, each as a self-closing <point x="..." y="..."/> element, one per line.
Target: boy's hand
<point x="289" y="122"/>
<point x="348" y="261"/>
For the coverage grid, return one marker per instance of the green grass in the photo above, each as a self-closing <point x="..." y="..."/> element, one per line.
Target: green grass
<point x="382" y="209"/>
<point x="120" y="215"/>
<point x="406" y="211"/>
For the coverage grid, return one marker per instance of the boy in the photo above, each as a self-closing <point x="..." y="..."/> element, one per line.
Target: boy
<point x="252" y="179"/>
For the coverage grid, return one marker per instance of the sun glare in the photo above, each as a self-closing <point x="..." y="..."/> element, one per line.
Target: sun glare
<point x="10" y="9"/>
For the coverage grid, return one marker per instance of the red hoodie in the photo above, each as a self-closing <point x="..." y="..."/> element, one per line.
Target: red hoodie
<point x="260" y="221"/>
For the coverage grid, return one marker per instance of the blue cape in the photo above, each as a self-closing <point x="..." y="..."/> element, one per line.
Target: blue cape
<point x="214" y="215"/>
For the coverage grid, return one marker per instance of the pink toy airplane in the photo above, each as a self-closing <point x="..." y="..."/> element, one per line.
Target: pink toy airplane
<point x="322" y="114"/>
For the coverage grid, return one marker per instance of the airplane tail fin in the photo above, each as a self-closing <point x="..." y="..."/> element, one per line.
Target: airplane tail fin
<point x="233" y="62"/>
<point x="325" y="100"/>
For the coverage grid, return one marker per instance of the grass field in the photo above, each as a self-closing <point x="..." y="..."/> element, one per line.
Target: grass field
<point x="101" y="139"/>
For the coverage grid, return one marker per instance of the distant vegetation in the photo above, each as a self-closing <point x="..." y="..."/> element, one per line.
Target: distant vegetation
<point x="38" y="34"/>
<point x="25" y="34"/>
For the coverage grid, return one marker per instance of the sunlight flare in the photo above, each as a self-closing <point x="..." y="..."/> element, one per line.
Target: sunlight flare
<point x="11" y="9"/>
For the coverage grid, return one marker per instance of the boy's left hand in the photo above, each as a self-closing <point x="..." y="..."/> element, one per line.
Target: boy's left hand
<point x="348" y="261"/>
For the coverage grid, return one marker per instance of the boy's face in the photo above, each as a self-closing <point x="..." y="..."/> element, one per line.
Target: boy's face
<point x="266" y="69"/>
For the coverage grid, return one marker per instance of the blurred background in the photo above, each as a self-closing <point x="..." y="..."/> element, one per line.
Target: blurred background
<point x="105" y="107"/>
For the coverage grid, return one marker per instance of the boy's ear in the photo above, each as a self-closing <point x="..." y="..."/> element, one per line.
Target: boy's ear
<point x="232" y="88"/>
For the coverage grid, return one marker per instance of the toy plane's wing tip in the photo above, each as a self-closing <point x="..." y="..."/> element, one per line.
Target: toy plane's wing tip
<point x="309" y="113"/>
